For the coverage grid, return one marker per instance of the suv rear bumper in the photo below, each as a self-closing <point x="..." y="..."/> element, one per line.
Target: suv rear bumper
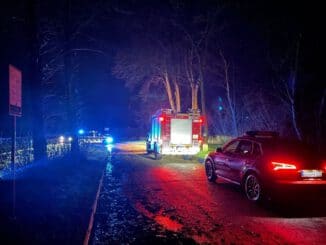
<point x="307" y="182"/>
<point x="301" y="189"/>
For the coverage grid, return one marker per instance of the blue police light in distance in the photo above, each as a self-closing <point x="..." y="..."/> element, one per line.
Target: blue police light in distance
<point x="108" y="140"/>
<point x="81" y="131"/>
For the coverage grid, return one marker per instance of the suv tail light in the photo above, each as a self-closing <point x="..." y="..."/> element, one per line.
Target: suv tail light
<point x="283" y="166"/>
<point x="324" y="166"/>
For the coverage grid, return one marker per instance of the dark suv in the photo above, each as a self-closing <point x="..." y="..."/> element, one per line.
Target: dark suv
<point x="262" y="162"/>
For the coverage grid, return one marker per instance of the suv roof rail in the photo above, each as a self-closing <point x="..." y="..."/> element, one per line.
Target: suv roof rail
<point x="256" y="133"/>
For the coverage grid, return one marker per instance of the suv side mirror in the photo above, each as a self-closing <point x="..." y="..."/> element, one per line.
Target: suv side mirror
<point x="218" y="149"/>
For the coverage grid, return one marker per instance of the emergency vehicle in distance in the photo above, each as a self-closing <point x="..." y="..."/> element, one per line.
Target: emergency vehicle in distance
<point x="175" y="133"/>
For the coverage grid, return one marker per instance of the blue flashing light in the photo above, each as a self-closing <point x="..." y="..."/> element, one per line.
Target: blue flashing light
<point x="81" y="131"/>
<point x="108" y="140"/>
<point x="220" y="108"/>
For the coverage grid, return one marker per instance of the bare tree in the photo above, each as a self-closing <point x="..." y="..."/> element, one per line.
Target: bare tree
<point x="194" y="83"/>
<point x="151" y="62"/>
<point x="229" y="90"/>
<point x="197" y="40"/>
<point x="63" y="39"/>
<point x="291" y="90"/>
<point x="286" y="84"/>
<point x="321" y="122"/>
<point x="39" y="143"/>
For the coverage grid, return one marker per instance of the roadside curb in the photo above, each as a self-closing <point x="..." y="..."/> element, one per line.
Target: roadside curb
<point x="94" y="207"/>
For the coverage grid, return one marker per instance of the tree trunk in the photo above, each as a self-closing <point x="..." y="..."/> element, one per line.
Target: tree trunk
<point x="70" y="86"/>
<point x="228" y="94"/>
<point x="194" y="97"/>
<point x="202" y="97"/>
<point x="39" y="142"/>
<point x="169" y="90"/>
<point x="293" y="92"/>
<point x="177" y="96"/>
<point x="321" y="123"/>
<point x="193" y="85"/>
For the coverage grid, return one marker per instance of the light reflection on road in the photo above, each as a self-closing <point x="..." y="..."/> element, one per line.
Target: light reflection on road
<point x="178" y="197"/>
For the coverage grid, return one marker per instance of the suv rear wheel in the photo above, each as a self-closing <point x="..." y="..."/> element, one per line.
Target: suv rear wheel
<point x="252" y="187"/>
<point x="211" y="176"/>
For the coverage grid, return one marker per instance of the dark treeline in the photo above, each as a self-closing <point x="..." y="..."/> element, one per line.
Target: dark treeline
<point x="245" y="65"/>
<point x="257" y="65"/>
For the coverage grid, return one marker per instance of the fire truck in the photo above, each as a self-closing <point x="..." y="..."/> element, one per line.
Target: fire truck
<point x="175" y="133"/>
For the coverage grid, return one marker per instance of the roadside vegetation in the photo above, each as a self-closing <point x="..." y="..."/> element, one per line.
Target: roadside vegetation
<point x="211" y="147"/>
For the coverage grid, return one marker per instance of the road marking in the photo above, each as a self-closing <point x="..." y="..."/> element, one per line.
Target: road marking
<point x="91" y="220"/>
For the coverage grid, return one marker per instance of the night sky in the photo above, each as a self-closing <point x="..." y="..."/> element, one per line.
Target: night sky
<point x="253" y="30"/>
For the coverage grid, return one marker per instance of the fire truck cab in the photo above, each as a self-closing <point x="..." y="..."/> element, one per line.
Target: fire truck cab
<point x="175" y="133"/>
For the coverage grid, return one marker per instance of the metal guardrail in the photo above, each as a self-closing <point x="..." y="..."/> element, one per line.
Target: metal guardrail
<point x="25" y="153"/>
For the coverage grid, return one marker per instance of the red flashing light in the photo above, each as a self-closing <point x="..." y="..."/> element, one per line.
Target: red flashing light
<point x="202" y="119"/>
<point x="161" y="119"/>
<point x="283" y="166"/>
<point x="324" y="166"/>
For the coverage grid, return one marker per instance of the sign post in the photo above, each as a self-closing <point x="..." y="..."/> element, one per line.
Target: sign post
<point x="15" y="110"/>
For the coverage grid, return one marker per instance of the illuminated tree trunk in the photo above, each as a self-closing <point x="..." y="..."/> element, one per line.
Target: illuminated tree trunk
<point x="169" y="90"/>
<point x="194" y="96"/>
<point x="190" y="76"/>
<point x="177" y="96"/>
<point x="203" y="99"/>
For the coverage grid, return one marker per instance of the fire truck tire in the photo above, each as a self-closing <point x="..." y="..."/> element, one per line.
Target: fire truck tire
<point x="157" y="152"/>
<point x="148" y="148"/>
<point x="158" y="156"/>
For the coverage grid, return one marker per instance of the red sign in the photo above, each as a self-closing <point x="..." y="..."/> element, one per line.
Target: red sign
<point x="15" y="91"/>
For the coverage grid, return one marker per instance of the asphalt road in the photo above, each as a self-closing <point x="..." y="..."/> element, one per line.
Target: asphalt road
<point x="170" y="201"/>
<point x="144" y="201"/>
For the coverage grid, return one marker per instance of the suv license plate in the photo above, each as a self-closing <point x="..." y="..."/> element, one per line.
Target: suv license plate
<point x="311" y="173"/>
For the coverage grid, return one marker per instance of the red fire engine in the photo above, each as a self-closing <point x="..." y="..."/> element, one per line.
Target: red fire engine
<point x="175" y="133"/>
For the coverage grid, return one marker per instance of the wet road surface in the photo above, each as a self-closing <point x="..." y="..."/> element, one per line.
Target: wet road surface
<point x="170" y="201"/>
<point x="144" y="201"/>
